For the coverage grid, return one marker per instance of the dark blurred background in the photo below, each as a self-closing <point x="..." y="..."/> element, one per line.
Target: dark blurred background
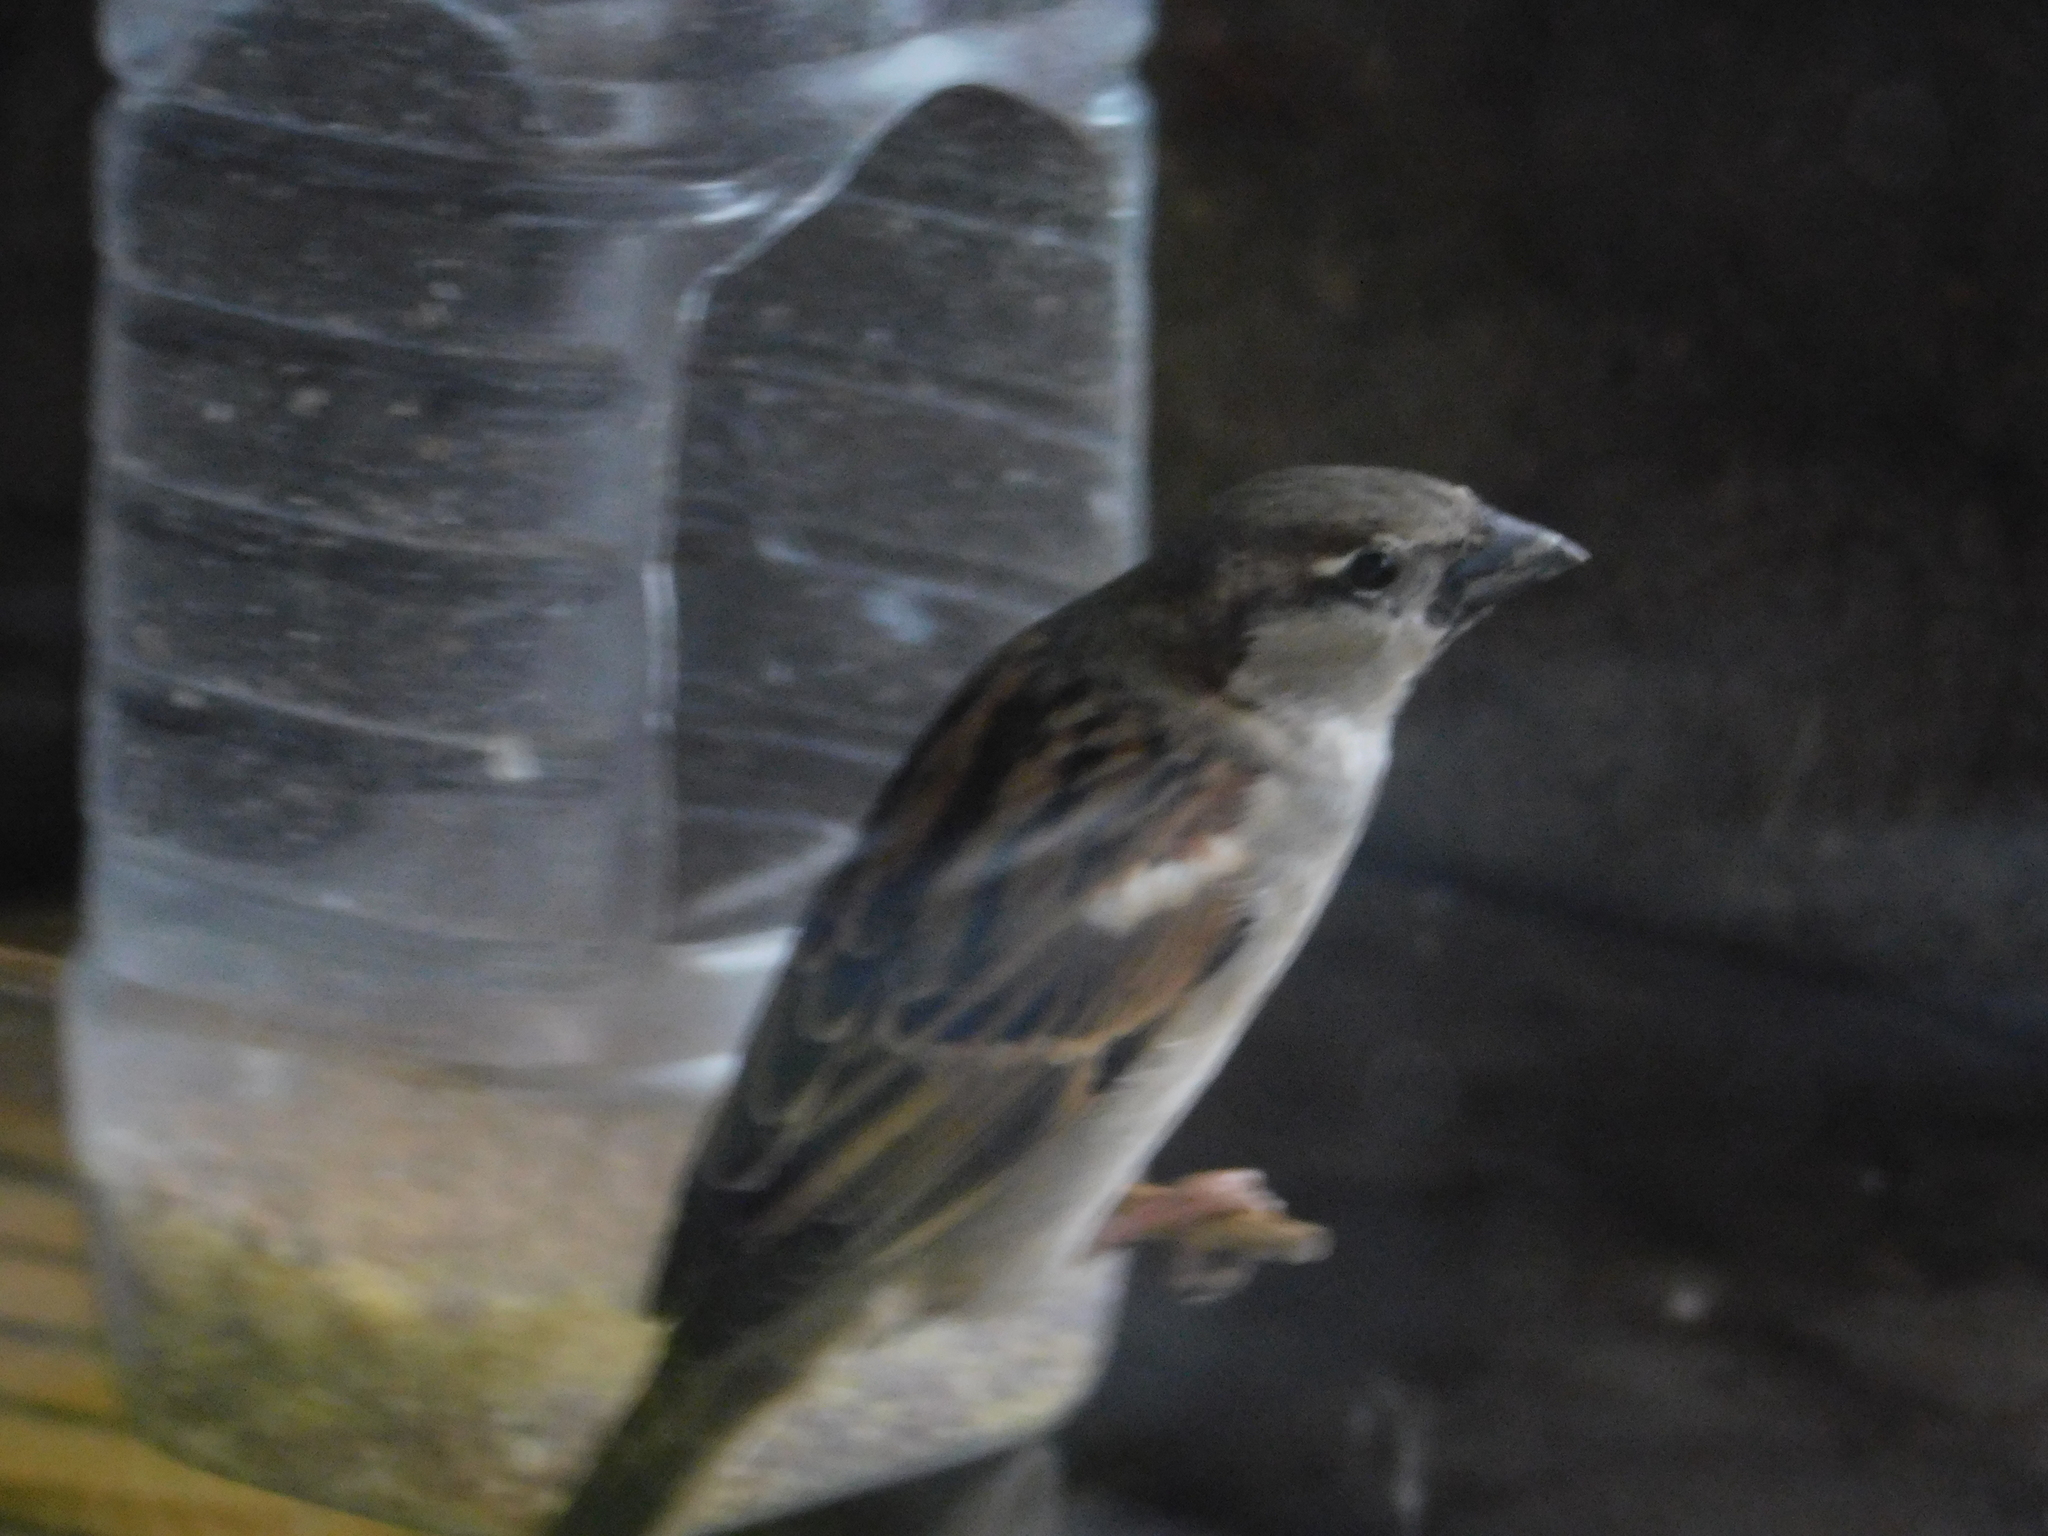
<point x="1672" y="1064"/>
<point x="49" y="84"/>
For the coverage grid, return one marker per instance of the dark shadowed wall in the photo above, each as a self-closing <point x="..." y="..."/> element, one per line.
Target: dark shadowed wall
<point x="1746" y="298"/>
<point x="48" y="84"/>
<point x="1673" y="1067"/>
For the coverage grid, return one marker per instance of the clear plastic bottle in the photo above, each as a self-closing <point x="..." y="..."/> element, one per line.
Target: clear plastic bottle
<point x="552" y="455"/>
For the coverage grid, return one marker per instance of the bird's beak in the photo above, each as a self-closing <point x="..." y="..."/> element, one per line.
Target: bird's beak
<point x="1515" y="555"/>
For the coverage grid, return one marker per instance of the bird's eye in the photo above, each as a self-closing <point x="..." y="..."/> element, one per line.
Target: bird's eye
<point x="1371" y="570"/>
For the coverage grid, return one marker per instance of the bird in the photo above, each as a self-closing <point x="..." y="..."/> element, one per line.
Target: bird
<point x="1060" y="915"/>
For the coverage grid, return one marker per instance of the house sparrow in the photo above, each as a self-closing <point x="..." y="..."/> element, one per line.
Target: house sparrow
<point x="1063" y="910"/>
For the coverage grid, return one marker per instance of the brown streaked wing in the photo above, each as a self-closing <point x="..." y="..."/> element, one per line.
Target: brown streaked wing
<point x="950" y="1004"/>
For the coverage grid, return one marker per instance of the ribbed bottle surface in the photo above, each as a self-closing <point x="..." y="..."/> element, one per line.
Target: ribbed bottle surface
<point x="551" y="462"/>
<point x="552" y="456"/>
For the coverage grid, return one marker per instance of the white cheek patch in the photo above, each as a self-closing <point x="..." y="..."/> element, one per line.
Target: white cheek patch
<point x="1154" y="888"/>
<point x="1334" y="565"/>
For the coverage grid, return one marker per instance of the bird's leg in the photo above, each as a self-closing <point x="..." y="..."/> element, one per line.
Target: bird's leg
<point x="1221" y="1225"/>
<point x="1153" y="1211"/>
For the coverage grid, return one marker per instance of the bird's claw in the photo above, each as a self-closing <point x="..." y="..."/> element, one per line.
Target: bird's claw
<point x="1222" y="1225"/>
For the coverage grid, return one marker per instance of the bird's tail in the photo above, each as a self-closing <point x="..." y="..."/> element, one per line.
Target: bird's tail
<point x="688" y="1409"/>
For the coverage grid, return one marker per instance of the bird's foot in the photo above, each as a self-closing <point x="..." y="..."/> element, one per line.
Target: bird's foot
<point x="1222" y="1225"/>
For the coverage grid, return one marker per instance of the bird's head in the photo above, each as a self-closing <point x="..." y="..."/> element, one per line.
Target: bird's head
<point x="1332" y="588"/>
